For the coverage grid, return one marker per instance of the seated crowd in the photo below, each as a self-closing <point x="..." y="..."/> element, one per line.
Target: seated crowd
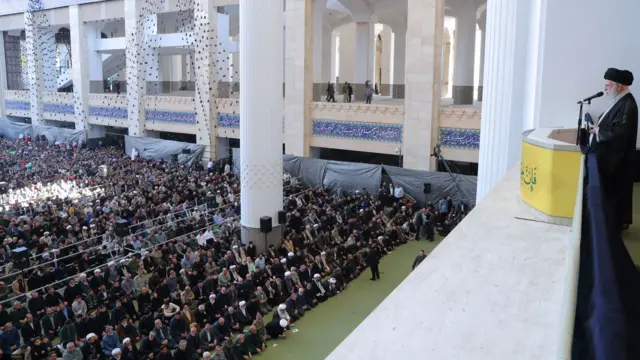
<point x="183" y="286"/>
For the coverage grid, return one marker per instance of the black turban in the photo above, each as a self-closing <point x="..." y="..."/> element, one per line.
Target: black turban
<point x="624" y="77"/>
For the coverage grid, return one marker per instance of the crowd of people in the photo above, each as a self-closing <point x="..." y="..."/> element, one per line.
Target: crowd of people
<point x="178" y="283"/>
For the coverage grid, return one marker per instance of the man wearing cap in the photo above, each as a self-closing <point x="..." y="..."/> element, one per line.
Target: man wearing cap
<point x="613" y="141"/>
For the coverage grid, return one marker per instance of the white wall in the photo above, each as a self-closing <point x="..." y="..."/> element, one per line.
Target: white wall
<point x="579" y="41"/>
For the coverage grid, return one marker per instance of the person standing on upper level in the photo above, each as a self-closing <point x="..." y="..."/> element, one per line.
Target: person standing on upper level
<point x="613" y="140"/>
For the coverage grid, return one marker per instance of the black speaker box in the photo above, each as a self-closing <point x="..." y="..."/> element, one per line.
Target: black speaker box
<point x="20" y="258"/>
<point x="282" y="217"/>
<point x="174" y="158"/>
<point x="265" y="224"/>
<point x="186" y="151"/>
<point x="427" y="188"/>
<point x="122" y="228"/>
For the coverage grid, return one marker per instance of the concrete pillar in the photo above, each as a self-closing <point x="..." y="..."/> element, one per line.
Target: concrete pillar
<point x="206" y="79"/>
<point x="334" y="58"/>
<point x="3" y="79"/>
<point x="137" y="54"/>
<point x="425" y="25"/>
<point x="465" y="50"/>
<point x="317" y="33"/>
<point x="482" y="24"/>
<point x="299" y="62"/>
<point x="37" y="40"/>
<point x="399" y="62"/>
<point x="384" y="83"/>
<point x="261" y="111"/>
<point x="365" y="49"/>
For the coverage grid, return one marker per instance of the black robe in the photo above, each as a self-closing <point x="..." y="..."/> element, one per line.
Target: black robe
<point x="614" y="149"/>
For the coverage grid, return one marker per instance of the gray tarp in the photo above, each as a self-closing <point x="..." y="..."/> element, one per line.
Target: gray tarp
<point x="312" y="171"/>
<point x="352" y="176"/>
<point x="158" y="149"/>
<point x="291" y="165"/>
<point x="442" y="184"/>
<point x="62" y="135"/>
<point x="12" y="130"/>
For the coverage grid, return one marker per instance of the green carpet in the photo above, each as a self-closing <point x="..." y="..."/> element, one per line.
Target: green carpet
<point x="323" y="329"/>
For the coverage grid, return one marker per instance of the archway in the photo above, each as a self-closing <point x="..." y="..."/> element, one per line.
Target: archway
<point x="378" y="63"/>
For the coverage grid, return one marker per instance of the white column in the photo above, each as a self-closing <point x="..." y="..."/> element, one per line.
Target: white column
<point x="365" y="47"/>
<point x="80" y="70"/>
<point x="300" y="62"/>
<point x="136" y="55"/>
<point x="399" y="61"/>
<point x="328" y="54"/>
<point x="154" y="69"/>
<point x="501" y="124"/>
<point x="261" y="112"/>
<point x="482" y="24"/>
<point x="334" y="58"/>
<point x="206" y="33"/>
<point x="425" y="24"/>
<point x="3" y="79"/>
<point x="318" y="33"/>
<point x="48" y="52"/>
<point x="347" y="70"/>
<point x="35" y="63"/>
<point x="465" y="49"/>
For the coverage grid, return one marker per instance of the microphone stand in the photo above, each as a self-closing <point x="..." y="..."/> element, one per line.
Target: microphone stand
<point x="580" y="134"/>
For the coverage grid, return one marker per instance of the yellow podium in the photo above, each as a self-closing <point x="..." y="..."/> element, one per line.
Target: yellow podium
<point x="549" y="173"/>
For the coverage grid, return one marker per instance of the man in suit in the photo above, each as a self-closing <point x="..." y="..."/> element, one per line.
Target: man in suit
<point x="418" y="221"/>
<point x="613" y="140"/>
<point x="30" y="330"/>
<point x="373" y="259"/>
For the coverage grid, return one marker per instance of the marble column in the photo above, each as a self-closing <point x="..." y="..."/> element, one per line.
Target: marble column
<point x="482" y="24"/>
<point x="299" y="77"/>
<point x="465" y="50"/>
<point x="502" y="111"/>
<point x="399" y="62"/>
<point x="365" y="46"/>
<point x="425" y="25"/>
<point x="206" y="76"/>
<point x="136" y="56"/>
<point x="261" y="112"/>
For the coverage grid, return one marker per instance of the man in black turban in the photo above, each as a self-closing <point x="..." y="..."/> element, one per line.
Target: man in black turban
<point x="613" y="140"/>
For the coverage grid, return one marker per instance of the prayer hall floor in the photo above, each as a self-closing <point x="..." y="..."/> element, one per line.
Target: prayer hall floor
<point x="632" y="236"/>
<point x="323" y="329"/>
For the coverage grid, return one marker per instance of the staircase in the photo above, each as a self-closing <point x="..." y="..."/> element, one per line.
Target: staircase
<point x="111" y="65"/>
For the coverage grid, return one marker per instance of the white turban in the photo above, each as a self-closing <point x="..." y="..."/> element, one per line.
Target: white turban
<point x="316" y="276"/>
<point x="288" y="273"/>
<point x="282" y="306"/>
<point x="115" y="351"/>
<point x="283" y="261"/>
<point x="242" y="303"/>
<point x="126" y="340"/>
<point x="283" y="323"/>
<point x="332" y="280"/>
<point x="290" y="254"/>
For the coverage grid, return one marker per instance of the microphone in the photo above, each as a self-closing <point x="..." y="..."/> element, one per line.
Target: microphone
<point x="594" y="96"/>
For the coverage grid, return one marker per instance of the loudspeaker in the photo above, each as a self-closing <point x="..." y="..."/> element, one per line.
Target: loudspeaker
<point x="282" y="217"/>
<point x="265" y="224"/>
<point x="122" y="228"/>
<point x="20" y="258"/>
<point x="427" y="188"/>
<point x="186" y="151"/>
